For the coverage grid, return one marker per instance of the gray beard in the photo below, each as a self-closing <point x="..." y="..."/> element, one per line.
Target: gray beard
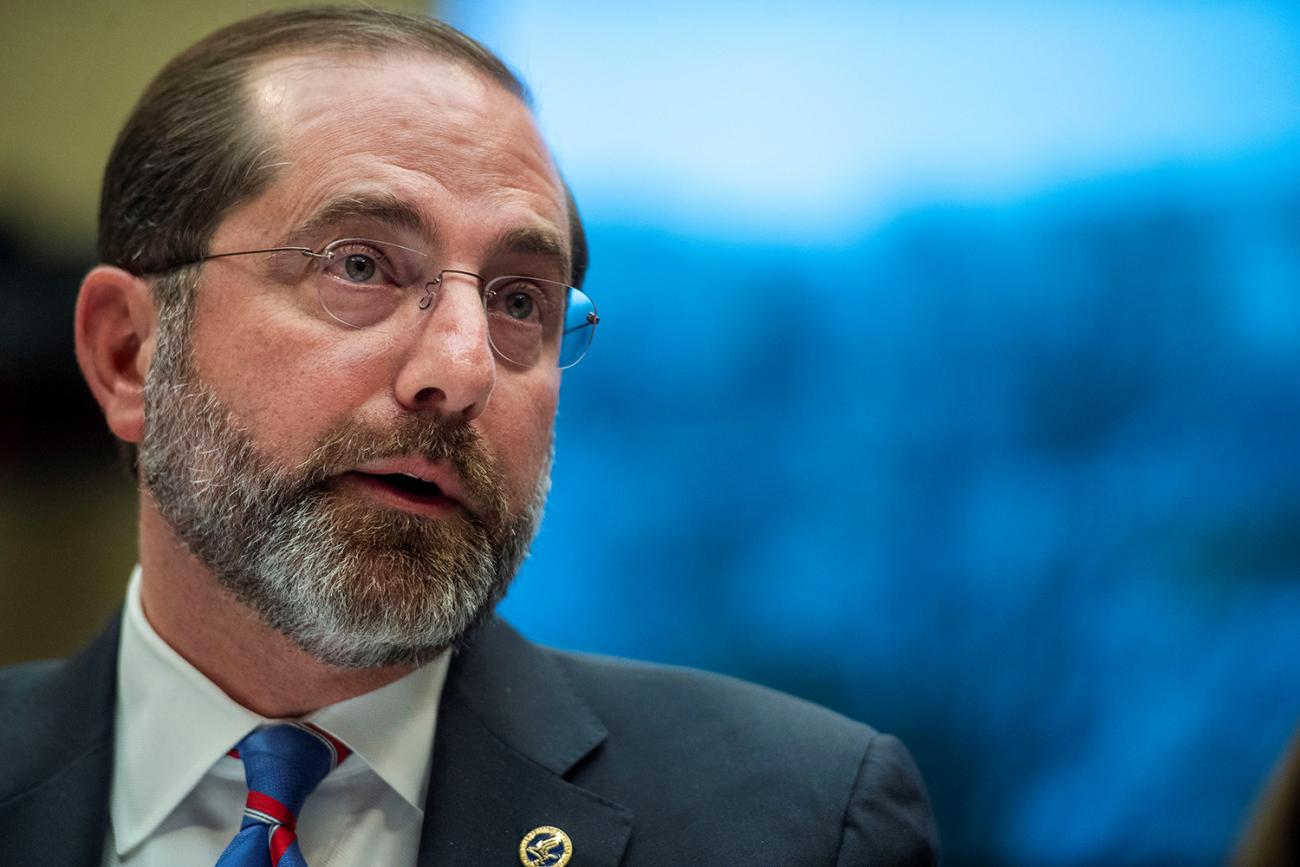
<point x="349" y="582"/>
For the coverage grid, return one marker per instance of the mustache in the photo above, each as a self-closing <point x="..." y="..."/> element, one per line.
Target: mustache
<point x="352" y="443"/>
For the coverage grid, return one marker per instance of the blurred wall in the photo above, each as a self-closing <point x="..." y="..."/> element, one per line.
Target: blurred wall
<point x="71" y="71"/>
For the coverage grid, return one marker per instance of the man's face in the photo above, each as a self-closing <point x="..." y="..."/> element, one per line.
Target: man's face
<point x="276" y="444"/>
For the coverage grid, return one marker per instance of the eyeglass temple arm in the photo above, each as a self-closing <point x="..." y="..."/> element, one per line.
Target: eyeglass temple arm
<point x="592" y="319"/>
<point x="306" y="251"/>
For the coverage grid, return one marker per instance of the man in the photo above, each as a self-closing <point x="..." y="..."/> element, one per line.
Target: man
<point x="339" y="284"/>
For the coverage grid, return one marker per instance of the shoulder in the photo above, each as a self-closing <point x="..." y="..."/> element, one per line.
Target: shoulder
<point x="27" y="691"/>
<point x="17" y="680"/>
<point x="717" y="744"/>
<point x="24" y="703"/>
<point x="53" y="712"/>
<point x="29" y="702"/>
<point x="680" y="702"/>
<point x="56" y="721"/>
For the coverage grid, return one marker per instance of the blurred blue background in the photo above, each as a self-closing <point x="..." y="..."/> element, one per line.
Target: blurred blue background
<point x="947" y="377"/>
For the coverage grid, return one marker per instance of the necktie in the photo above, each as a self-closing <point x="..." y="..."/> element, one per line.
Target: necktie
<point x="283" y="764"/>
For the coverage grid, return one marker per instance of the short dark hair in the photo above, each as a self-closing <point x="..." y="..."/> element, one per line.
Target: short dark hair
<point x="189" y="152"/>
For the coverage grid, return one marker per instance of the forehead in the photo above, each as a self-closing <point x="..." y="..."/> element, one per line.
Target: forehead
<point x="432" y="133"/>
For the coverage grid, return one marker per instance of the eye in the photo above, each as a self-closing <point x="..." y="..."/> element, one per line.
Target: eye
<point x="362" y="263"/>
<point x="362" y="282"/>
<point x="519" y="299"/>
<point x="519" y="305"/>
<point x="359" y="267"/>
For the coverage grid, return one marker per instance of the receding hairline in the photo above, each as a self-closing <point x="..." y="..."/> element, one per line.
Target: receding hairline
<point x="376" y="40"/>
<point x="294" y="53"/>
<point x="275" y="61"/>
<point x="192" y="150"/>
<point x="553" y="241"/>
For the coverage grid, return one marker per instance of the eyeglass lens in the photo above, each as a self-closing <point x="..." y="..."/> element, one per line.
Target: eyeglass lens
<point x="365" y="284"/>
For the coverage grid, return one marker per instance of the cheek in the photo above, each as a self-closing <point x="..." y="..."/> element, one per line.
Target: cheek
<point x="519" y="425"/>
<point x="286" y="379"/>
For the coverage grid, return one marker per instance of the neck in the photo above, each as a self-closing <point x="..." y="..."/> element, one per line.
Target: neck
<point x="227" y="641"/>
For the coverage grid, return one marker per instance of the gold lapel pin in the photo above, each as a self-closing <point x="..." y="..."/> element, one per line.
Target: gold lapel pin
<point x="545" y="846"/>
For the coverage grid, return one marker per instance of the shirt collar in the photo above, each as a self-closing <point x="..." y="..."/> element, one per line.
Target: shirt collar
<point x="161" y="752"/>
<point x="392" y="728"/>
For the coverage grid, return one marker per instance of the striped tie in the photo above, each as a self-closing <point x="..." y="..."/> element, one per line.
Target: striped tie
<point x="283" y="764"/>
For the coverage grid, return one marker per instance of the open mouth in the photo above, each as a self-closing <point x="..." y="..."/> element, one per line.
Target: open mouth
<point x="403" y="489"/>
<point x="409" y="484"/>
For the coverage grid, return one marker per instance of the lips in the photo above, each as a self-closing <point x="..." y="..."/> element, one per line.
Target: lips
<point x="412" y="484"/>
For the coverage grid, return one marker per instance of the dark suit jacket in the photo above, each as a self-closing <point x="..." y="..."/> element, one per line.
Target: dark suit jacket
<point x="639" y="764"/>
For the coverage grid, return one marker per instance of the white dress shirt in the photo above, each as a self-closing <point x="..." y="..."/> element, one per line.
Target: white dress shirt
<point x="177" y="798"/>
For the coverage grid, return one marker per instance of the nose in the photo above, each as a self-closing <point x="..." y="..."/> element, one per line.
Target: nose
<point x="449" y="369"/>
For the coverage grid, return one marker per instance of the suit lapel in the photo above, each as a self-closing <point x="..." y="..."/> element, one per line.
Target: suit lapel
<point x="56" y="750"/>
<point x="509" y="728"/>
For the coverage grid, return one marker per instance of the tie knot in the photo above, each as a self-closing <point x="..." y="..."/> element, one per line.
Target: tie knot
<point x="287" y="762"/>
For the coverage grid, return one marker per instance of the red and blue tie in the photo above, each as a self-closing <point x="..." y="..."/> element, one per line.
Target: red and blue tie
<point x="283" y="764"/>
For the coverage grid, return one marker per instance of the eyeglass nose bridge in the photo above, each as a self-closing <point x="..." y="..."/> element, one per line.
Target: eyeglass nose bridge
<point x="431" y="287"/>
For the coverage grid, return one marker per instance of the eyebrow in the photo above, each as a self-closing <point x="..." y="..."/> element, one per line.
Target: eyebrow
<point x="380" y="208"/>
<point x="534" y="241"/>
<point x="392" y="212"/>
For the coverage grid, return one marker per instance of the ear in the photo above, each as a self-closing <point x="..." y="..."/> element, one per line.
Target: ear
<point x="115" y="326"/>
